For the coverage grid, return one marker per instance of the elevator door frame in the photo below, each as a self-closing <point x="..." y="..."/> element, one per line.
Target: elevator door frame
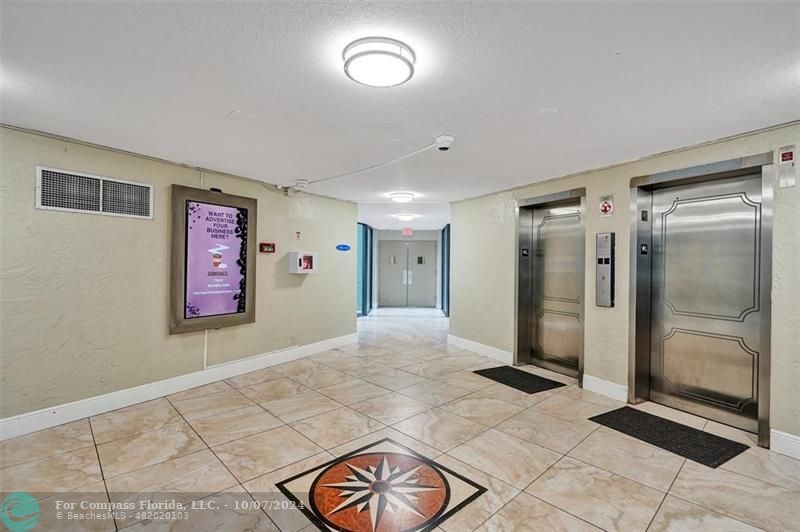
<point x="523" y="274"/>
<point x="639" y="330"/>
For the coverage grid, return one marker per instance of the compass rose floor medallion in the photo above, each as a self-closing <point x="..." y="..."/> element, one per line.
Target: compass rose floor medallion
<point x="383" y="487"/>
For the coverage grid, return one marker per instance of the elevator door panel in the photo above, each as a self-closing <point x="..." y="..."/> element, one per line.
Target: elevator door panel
<point x="392" y="274"/>
<point x="421" y="274"/>
<point x="705" y="299"/>
<point x="558" y="270"/>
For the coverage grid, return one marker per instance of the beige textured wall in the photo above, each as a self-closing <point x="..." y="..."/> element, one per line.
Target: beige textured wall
<point x="85" y="298"/>
<point x="483" y="255"/>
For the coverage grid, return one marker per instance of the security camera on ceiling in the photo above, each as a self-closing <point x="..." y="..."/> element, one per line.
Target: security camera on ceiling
<point x="444" y="142"/>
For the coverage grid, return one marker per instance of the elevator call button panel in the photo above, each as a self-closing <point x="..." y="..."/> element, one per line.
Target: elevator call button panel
<point x="604" y="296"/>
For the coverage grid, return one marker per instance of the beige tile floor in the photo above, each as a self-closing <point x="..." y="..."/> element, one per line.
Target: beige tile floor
<point x="545" y="466"/>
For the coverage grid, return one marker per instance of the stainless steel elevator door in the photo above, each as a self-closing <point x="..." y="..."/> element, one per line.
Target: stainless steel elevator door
<point x="705" y="314"/>
<point x="557" y="281"/>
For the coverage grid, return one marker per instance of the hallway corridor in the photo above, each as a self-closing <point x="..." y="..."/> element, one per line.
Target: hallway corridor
<point x="512" y="461"/>
<point x="202" y="202"/>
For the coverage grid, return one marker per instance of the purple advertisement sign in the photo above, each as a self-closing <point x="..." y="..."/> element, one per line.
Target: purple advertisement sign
<point x="216" y="259"/>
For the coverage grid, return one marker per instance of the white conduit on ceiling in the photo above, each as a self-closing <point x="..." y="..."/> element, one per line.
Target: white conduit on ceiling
<point x="442" y="140"/>
<point x="376" y="166"/>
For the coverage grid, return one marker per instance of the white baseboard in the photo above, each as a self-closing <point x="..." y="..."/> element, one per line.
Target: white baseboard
<point x="92" y="406"/>
<point x="505" y="357"/>
<point x="784" y="443"/>
<point x="610" y="389"/>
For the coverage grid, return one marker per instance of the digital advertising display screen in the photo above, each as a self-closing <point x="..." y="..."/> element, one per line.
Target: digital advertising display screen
<point x="213" y="247"/>
<point x="216" y="260"/>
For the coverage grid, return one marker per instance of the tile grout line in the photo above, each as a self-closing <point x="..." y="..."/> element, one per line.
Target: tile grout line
<point x="564" y="455"/>
<point x="565" y="511"/>
<point x="524" y="490"/>
<point x="719" y="511"/>
<point x="714" y="511"/>
<point x="365" y="379"/>
<point x="154" y="464"/>
<point x="208" y="447"/>
<point x="324" y="450"/>
<point x="446" y="452"/>
<point x="528" y="408"/>
<point x="172" y="421"/>
<point x="533" y="407"/>
<point x="57" y="453"/>
<point x="307" y="438"/>
<point x="494" y="477"/>
<point x="238" y="482"/>
<point x="721" y="466"/>
<point x="384" y="422"/>
<point x="383" y="426"/>
<point x="485" y="429"/>
<point x="243" y="482"/>
<point x="666" y="494"/>
<point x="685" y="460"/>
<point x="282" y="423"/>
<point x="329" y="449"/>
<point x="614" y="432"/>
<point x="215" y="413"/>
<point x="617" y="474"/>
<point x="100" y="465"/>
<point x="441" y="406"/>
<point x="318" y="390"/>
<point x="538" y="476"/>
<point x="290" y="395"/>
<point x="519" y="491"/>
<point x="307" y="388"/>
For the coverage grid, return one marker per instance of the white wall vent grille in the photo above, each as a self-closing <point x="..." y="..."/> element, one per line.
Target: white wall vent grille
<point x="60" y="190"/>
<point x="126" y="198"/>
<point x="64" y="190"/>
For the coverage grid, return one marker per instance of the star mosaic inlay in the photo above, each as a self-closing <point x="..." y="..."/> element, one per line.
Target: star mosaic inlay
<point x="380" y="488"/>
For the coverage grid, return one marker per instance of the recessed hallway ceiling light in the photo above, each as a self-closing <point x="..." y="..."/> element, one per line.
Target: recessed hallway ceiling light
<point x="405" y="217"/>
<point x="547" y="111"/>
<point x="238" y="114"/>
<point x="378" y="62"/>
<point x="402" y="197"/>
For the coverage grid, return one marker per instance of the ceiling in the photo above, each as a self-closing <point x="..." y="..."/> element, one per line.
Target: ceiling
<point x="257" y="89"/>
<point x="381" y="215"/>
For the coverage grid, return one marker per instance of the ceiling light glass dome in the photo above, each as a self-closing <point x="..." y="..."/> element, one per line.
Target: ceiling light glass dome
<point x="379" y="62"/>
<point x="402" y="197"/>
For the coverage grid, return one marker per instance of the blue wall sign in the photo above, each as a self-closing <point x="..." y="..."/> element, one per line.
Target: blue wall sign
<point x="343" y="247"/>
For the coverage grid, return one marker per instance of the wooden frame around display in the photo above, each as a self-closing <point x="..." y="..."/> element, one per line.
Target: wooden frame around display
<point x="178" y="322"/>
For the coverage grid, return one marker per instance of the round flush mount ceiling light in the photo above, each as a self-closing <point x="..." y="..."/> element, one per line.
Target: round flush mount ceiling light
<point x="379" y="62"/>
<point x="405" y="217"/>
<point x="402" y="197"/>
<point x="547" y="111"/>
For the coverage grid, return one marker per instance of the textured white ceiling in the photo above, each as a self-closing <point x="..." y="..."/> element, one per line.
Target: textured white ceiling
<point x="627" y="79"/>
<point x="382" y="215"/>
